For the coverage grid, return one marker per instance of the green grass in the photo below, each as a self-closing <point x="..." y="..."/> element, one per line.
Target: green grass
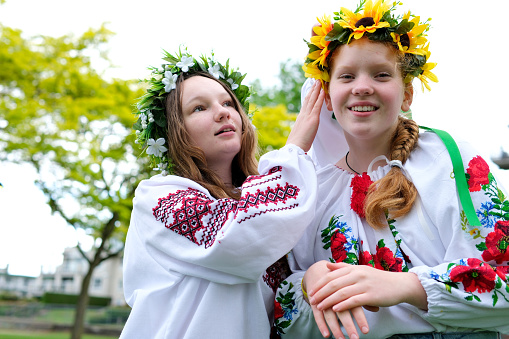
<point x="9" y="334"/>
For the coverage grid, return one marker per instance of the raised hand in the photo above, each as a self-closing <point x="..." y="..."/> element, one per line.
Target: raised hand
<point x="305" y="127"/>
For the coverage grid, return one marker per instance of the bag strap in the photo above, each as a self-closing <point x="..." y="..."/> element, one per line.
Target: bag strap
<point x="459" y="175"/>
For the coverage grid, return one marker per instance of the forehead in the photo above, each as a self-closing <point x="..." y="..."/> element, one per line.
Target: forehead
<point x="364" y="52"/>
<point x="199" y="86"/>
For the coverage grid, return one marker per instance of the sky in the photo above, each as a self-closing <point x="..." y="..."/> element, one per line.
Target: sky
<point x="467" y="42"/>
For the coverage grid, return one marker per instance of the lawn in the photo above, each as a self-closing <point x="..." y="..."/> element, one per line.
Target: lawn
<point x="10" y="334"/>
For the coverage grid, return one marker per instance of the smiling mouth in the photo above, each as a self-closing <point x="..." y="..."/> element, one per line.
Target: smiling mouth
<point x="363" y="108"/>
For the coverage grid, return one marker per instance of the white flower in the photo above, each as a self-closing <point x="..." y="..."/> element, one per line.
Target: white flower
<point x="233" y="86"/>
<point x="169" y="81"/>
<point x="150" y="116"/>
<point x="215" y="72"/>
<point x="156" y="147"/>
<point x="185" y="63"/>
<point x="164" y="173"/>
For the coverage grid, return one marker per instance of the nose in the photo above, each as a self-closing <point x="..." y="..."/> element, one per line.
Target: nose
<point x="221" y="112"/>
<point x="363" y="86"/>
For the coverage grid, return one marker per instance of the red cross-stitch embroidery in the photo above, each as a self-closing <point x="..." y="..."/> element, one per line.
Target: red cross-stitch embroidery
<point x="256" y="177"/>
<point x="276" y="273"/>
<point x="184" y="213"/>
<point x="270" y="195"/>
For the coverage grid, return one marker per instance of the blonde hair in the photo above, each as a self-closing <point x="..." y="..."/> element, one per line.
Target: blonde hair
<point x="394" y="195"/>
<point x="189" y="161"/>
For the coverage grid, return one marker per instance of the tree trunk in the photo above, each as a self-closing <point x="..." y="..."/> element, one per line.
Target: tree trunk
<point x="81" y="306"/>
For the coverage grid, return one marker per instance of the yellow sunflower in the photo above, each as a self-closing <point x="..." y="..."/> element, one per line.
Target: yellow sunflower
<point x="413" y="41"/>
<point x="369" y="21"/>
<point x="427" y="75"/>
<point x="311" y="70"/>
<point x="321" y="31"/>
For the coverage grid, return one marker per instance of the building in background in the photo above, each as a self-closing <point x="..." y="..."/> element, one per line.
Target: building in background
<point x="106" y="281"/>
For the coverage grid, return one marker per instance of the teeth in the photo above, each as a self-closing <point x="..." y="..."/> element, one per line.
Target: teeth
<point x="363" y="108"/>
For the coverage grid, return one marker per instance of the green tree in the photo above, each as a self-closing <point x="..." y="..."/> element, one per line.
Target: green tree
<point x="74" y="127"/>
<point x="273" y="124"/>
<point x="291" y="78"/>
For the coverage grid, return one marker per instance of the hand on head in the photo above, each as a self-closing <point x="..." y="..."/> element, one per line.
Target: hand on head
<point x="305" y="127"/>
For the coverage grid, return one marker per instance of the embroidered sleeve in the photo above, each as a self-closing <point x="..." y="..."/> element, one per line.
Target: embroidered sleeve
<point x="471" y="290"/>
<point x="293" y="315"/>
<point x="186" y="230"/>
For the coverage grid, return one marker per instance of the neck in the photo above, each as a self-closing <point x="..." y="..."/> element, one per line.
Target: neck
<point x="361" y="154"/>
<point x="224" y="172"/>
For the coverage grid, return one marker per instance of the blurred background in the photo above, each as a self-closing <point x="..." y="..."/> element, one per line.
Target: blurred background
<point x="69" y="74"/>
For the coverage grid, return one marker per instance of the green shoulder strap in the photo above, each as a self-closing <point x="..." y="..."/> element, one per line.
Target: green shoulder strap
<point x="459" y="175"/>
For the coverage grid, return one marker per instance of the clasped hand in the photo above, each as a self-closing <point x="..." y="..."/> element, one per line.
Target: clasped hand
<point x="339" y="292"/>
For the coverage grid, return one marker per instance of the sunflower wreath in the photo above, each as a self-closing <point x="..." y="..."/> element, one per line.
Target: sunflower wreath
<point x="377" y="22"/>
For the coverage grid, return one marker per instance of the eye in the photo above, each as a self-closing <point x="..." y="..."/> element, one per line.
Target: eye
<point x="198" y="108"/>
<point x="383" y="75"/>
<point x="228" y="103"/>
<point x="346" y="77"/>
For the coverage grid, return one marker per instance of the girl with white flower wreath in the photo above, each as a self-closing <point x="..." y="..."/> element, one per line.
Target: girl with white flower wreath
<point x="203" y="247"/>
<point x="397" y="227"/>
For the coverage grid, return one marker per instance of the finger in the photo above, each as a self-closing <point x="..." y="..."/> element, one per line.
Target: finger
<point x="340" y="293"/>
<point x="360" y="319"/>
<point x="329" y="284"/>
<point x="332" y="321"/>
<point x="320" y="322"/>
<point x="312" y="96"/>
<point x="346" y="320"/>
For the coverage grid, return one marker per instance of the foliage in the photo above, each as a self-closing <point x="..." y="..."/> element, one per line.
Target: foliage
<point x="11" y="334"/>
<point x="74" y="127"/>
<point x="291" y="77"/>
<point x="72" y="299"/>
<point x="273" y="125"/>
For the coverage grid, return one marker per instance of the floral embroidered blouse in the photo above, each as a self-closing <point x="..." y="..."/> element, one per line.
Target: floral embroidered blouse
<point x="463" y="269"/>
<point x="197" y="267"/>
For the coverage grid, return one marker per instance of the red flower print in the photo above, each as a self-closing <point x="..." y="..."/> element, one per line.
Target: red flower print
<point x="385" y="260"/>
<point x="360" y="185"/>
<point x="478" y="170"/>
<point x="278" y="310"/>
<point x="497" y="243"/>
<point x="366" y="258"/>
<point x="502" y="271"/>
<point x="337" y="247"/>
<point x="474" y="276"/>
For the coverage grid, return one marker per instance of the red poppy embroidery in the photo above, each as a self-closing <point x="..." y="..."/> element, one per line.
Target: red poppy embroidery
<point x="366" y="259"/>
<point x="497" y="243"/>
<point x="278" y="310"/>
<point x="478" y="171"/>
<point x="476" y="276"/>
<point x="360" y="185"/>
<point x="502" y="272"/>
<point x="385" y="260"/>
<point x="338" y="241"/>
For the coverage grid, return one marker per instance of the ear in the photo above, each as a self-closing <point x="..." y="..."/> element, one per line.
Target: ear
<point x="408" y="97"/>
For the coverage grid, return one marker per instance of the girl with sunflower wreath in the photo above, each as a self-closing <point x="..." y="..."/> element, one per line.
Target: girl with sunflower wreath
<point x="206" y="230"/>
<point x="410" y="225"/>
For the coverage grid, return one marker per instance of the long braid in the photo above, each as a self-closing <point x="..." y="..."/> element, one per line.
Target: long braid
<point x="394" y="194"/>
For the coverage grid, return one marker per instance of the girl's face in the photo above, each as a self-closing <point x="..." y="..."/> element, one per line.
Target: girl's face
<point x="211" y="119"/>
<point x="366" y="90"/>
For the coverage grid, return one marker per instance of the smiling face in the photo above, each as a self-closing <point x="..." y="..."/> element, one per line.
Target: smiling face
<point x="366" y="91"/>
<point x="211" y="119"/>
